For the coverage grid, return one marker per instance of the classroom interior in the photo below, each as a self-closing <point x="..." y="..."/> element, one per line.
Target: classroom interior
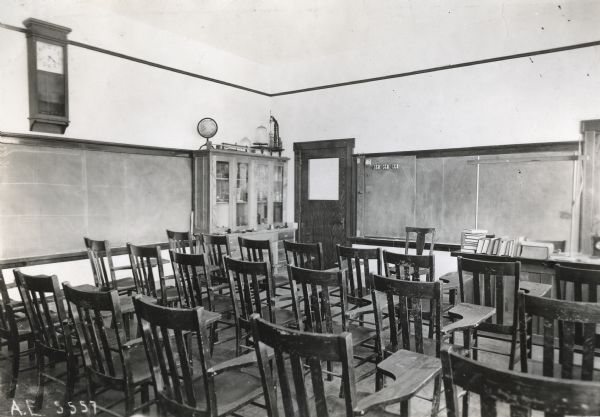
<point x="393" y="206"/>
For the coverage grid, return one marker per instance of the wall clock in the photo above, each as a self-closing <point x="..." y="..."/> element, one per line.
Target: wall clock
<point x="48" y="76"/>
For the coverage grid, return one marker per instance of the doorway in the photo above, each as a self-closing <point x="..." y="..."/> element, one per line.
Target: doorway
<point x="323" y="191"/>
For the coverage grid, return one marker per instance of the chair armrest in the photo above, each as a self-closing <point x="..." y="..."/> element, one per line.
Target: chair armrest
<point x="367" y="309"/>
<point x="130" y="344"/>
<point x="243" y="361"/>
<point x="468" y="315"/>
<point x="121" y="268"/>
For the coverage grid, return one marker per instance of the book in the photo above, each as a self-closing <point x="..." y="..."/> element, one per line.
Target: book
<point x="470" y="239"/>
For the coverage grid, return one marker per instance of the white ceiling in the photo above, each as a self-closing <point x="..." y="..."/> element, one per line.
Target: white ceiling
<point x="276" y="32"/>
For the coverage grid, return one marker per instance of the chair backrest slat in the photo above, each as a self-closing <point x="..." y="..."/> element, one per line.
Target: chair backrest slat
<point x="486" y="275"/>
<point x="191" y="273"/>
<point x="99" y="324"/>
<point x="316" y="287"/>
<point x="406" y="321"/>
<point x="357" y="262"/>
<point x="143" y="261"/>
<point x="44" y="306"/>
<point x="304" y="255"/>
<point x="167" y="334"/>
<point x="523" y="392"/>
<point x="295" y="351"/>
<point x="568" y="317"/>
<point x="409" y="267"/>
<point x="420" y="238"/>
<point x="100" y="256"/>
<point x="246" y="292"/>
<point x="217" y="247"/>
<point x="184" y="242"/>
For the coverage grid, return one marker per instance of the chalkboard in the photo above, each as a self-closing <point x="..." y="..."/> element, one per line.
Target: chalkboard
<point x="388" y="198"/>
<point x="51" y="197"/>
<point x="532" y="199"/>
<point x="517" y="194"/>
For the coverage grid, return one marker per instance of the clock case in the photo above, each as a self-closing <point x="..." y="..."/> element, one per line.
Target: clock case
<point x="40" y="82"/>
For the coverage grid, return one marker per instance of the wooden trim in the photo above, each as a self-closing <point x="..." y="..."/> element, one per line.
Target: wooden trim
<point x="227" y="152"/>
<point x="327" y="86"/>
<point x="443" y="68"/>
<point x="398" y="243"/>
<point x="323" y="144"/>
<point x="63" y="257"/>
<point x="89" y="145"/>
<point x="590" y="125"/>
<point x="566" y="146"/>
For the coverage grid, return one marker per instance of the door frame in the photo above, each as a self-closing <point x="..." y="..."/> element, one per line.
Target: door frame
<point x="348" y="145"/>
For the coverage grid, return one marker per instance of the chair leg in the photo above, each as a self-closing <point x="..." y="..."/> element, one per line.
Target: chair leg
<point x="146" y="398"/>
<point x="30" y="347"/>
<point x="513" y="348"/>
<point x="405" y="408"/>
<point x="70" y="385"/>
<point x="465" y="406"/>
<point x="129" y="401"/>
<point x="91" y="396"/>
<point x="15" y="350"/>
<point x="437" y="392"/>
<point x="39" y="397"/>
<point x="379" y="379"/>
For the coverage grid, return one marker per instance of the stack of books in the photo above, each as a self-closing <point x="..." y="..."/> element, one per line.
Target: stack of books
<point x="500" y="246"/>
<point x="470" y="238"/>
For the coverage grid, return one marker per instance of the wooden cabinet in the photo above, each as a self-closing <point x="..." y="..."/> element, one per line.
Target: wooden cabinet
<point x="240" y="192"/>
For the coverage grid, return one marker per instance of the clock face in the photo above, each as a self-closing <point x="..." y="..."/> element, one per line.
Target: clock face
<point x="49" y="57"/>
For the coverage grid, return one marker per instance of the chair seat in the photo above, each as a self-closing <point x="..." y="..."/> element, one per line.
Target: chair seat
<point x="222" y="303"/>
<point x="125" y="284"/>
<point x="233" y="389"/>
<point x="429" y="347"/>
<point x="139" y="364"/>
<point x="360" y="334"/>
<point x="172" y="294"/>
<point x="284" y="316"/>
<point x="281" y="280"/>
<point x="23" y="326"/>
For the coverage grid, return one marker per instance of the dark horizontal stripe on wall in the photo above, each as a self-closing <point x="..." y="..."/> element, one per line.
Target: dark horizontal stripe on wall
<point x="326" y="86"/>
<point x="444" y="68"/>
<point x="89" y="145"/>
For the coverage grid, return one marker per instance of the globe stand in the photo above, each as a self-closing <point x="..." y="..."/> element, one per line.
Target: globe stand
<point x="208" y="145"/>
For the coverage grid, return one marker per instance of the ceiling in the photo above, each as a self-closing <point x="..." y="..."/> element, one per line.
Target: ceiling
<point x="275" y="32"/>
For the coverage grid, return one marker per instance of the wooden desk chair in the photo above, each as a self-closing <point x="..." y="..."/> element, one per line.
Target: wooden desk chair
<point x="295" y="351"/>
<point x="186" y="380"/>
<point x="409" y="267"/>
<point x="99" y="254"/>
<point x="260" y="251"/>
<point x="357" y="261"/>
<point x="407" y="335"/>
<point x="420" y="238"/>
<point x="110" y="361"/>
<point x="304" y="255"/>
<point x="217" y="247"/>
<point x="143" y="261"/>
<point x="489" y="281"/>
<point x="556" y="397"/>
<point x="576" y="284"/>
<point x="317" y="316"/>
<point x="45" y="309"/>
<point x="184" y="242"/>
<point x="576" y="324"/>
<point x="195" y="288"/>
<point x="14" y="329"/>
<point x="248" y="296"/>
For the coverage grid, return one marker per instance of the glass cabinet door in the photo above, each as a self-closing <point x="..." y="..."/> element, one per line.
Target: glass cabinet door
<point x="278" y="194"/>
<point x="241" y="195"/>
<point x="222" y="197"/>
<point x="262" y="194"/>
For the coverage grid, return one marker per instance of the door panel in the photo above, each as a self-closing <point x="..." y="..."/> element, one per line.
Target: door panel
<point x="323" y="190"/>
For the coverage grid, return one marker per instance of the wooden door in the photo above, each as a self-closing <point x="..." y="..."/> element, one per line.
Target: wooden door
<point x="323" y="193"/>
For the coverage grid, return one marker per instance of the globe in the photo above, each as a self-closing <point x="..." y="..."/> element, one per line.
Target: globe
<point x="207" y="128"/>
